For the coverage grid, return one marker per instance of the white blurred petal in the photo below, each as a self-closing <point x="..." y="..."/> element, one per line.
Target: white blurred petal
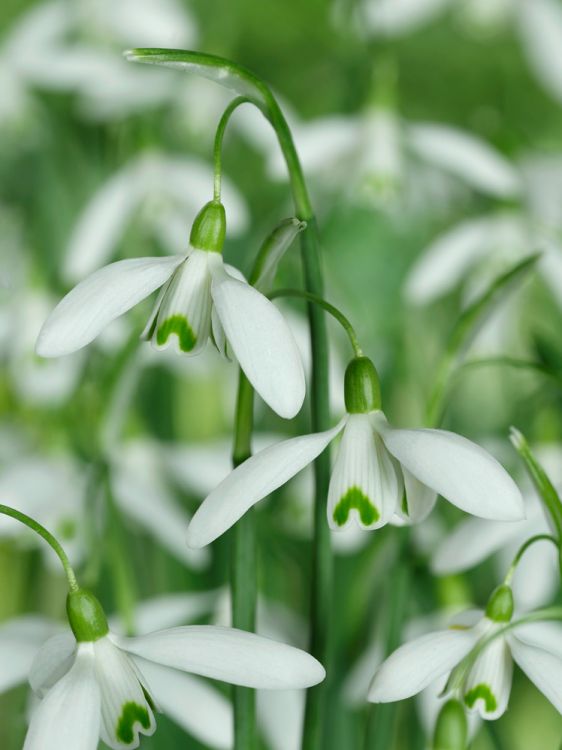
<point x="540" y="25"/>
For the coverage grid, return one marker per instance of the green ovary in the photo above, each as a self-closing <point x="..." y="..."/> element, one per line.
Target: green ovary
<point x="355" y="499"/>
<point x="177" y="324"/>
<point x="482" y="692"/>
<point x="132" y="713"/>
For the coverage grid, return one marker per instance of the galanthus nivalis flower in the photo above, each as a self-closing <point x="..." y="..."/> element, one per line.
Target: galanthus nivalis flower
<point x="202" y="299"/>
<point x="95" y="683"/>
<point x="380" y="471"/>
<point x="479" y="658"/>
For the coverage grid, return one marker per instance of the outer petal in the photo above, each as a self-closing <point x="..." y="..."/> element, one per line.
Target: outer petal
<point x="471" y="542"/>
<point x="253" y="480"/>
<point x="415" y="665"/>
<point x="458" y="469"/>
<point x="488" y="685"/>
<point x="419" y="498"/>
<point x="197" y="707"/>
<point x="281" y="717"/>
<point x="396" y="17"/>
<point x="173" y="609"/>
<point x="228" y="654"/>
<point x="69" y="717"/>
<point x="52" y="661"/>
<point x="105" y="295"/>
<point x="262" y="342"/>
<point x="541" y="667"/>
<point x="20" y="639"/>
<point x="125" y="710"/>
<point x="466" y="156"/>
<point x="540" y="24"/>
<point x="364" y="481"/>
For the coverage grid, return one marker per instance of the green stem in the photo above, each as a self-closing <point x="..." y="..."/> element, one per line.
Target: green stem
<point x="219" y="137"/>
<point x="243" y="577"/>
<point x="329" y="308"/>
<point x="524" y="547"/>
<point x="49" y="538"/>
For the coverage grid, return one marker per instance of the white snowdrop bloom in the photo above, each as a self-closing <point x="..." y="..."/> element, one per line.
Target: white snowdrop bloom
<point x="201" y="300"/>
<point x="380" y="471"/>
<point x="51" y="490"/>
<point x="381" y="156"/>
<point x="97" y="685"/>
<point x="478" y="659"/>
<point x="162" y="192"/>
<point x="472" y="541"/>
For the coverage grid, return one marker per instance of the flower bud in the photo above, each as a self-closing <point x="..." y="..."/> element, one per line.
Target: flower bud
<point x="500" y="604"/>
<point x="86" y="616"/>
<point x="451" y="730"/>
<point x="209" y="228"/>
<point x="362" y="387"/>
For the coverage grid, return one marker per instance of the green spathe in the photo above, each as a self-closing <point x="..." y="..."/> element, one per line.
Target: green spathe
<point x="86" y="616"/>
<point x="451" y="730"/>
<point x="131" y="714"/>
<point x="481" y="692"/>
<point x="354" y="498"/>
<point x="500" y="604"/>
<point x="177" y="324"/>
<point x="362" y="387"/>
<point x="209" y="228"/>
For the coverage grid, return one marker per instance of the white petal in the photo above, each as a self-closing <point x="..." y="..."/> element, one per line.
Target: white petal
<point x="253" y="480"/>
<point x="488" y="684"/>
<point x="471" y="542"/>
<point x="419" y="498"/>
<point x="544" y="635"/>
<point x="277" y="245"/>
<point x="417" y="664"/>
<point x="144" y="497"/>
<point x="173" y="609"/>
<point x="69" y="717"/>
<point x="101" y="224"/>
<point x="441" y="266"/>
<point x="262" y="343"/>
<point x="230" y="655"/>
<point x="125" y="711"/>
<point x="185" y="310"/>
<point x="197" y="707"/>
<point x="465" y="156"/>
<point x="396" y="17"/>
<point x="281" y="717"/>
<point x="52" y="661"/>
<point x="541" y="667"/>
<point x="458" y="469"/>
<point x="105" y="295"/>
<point x="20" y="640"/>
<point x="540" y="24"/>
<point x="537" y="577"/>
<point x="364" y="482"/>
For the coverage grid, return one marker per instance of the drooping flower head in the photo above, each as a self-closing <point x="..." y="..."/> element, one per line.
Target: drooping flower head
<point x="201" y="299"/>
<point x="381" y="472"/>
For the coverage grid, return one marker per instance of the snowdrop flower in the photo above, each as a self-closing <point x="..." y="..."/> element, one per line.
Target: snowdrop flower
<point x="379" y="154"/>
<point x="161" y="191"/>
<point x="380" y="471"/>
<point x="201" y="300"/>
<point x="536" y="578"/>
<point x="479" y="659"/>
<point x="94" y="684"/>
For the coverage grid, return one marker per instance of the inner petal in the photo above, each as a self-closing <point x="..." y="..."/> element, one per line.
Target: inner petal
<point x="364" y="483"/>
<point x="488" y="684"/>
<point x="126" y="709"/>
<point x="185" y="309"/>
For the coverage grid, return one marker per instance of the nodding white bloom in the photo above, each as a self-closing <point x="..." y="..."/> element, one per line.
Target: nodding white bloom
<point x="201" y="299"/>
<point x="161" y="193"/>
<point x="382" y="157"/>
<point x="536" y="577"/>
<point x="380" y="471"/>
<point x="100" y="685"/>
<point x="478" y="657"/>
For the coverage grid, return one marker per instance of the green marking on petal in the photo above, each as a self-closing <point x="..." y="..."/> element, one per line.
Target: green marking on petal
<point x="177" y="324"/>
<point x="481" y="692"/>
<point x="354" y="498"/>
<point x="131" y="714"/>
